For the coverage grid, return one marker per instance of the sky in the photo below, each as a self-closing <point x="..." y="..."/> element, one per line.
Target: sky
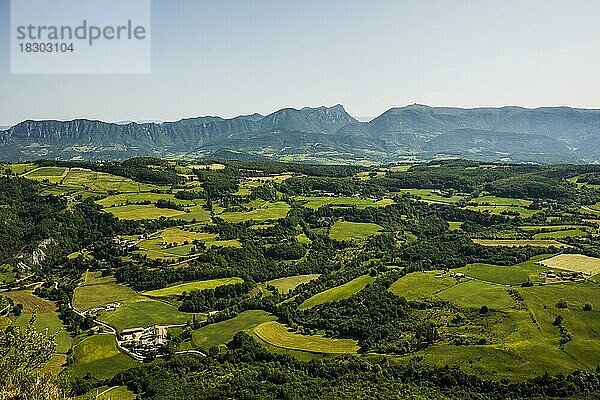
<point x="228" y="58"/>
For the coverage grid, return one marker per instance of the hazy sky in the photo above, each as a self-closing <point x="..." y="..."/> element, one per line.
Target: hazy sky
<point x="237" y="57"/>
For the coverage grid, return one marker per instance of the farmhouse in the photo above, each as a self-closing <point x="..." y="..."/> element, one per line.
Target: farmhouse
<point x="144" y="341"/>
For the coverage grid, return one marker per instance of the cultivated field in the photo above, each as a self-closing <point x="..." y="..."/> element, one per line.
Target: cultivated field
<point x="343" y="230"/>
<point x="574" y="262"/>
<point x="177" y="290"/>
<point x="222" y="332"/>
<point x="31" y="303"/>
<point x="338" y="292"/>
<point x="278" y="335"/>
<point x="285" y="285"/>
<point x="560" y="234"/>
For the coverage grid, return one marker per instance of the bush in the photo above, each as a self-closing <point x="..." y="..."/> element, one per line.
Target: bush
<point x="562" y="304"/>
<point x="484" y="309"/>
<point x="587" y="307"/>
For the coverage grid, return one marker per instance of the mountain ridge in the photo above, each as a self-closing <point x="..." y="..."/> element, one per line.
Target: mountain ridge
<point x="325" y="134"/>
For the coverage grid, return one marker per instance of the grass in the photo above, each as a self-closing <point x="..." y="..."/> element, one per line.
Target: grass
<point x="278" y="335"/>
<point x="99" y="356"/>
<point x="474" y="294"/>
<point x="222" y="332"/>
<point x="552" y="227"/>
<point x="560" y="234"/>
<point x="108" y="393"/>
<point x="507" y="275"/>
<point x="94" y="295"/>
<point x="55" y="365"/>
<point x="315" y="202"/>
<point x="343" y="230"/>
<point x="189" y="286"/>
<point x="285" y="285"/>
<point x="144" y="312"/>
<point x="265" y="212"/>
<point x="500" y="201"/>
<point x="519" y="242"/>
<point x="523" y="212"/>
<point x="137" y="212"/>
<point x="52" y="323"/>
<point x="156" y="246"/>
<point x="418" y="285"/>
<point x="132" y="198"/>
<point x="338" y="292"/>
<point x="31" y="303"/>
<point x="454" y="225"/>
<point x="21" y="168"/>
<point x="574" y="262"/>
<point x="431" y="196"/>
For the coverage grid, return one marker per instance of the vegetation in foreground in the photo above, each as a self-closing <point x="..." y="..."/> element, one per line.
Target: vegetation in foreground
<point x="452" y="279"/>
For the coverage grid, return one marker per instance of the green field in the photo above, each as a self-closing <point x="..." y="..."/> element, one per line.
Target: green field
<point x="474" y="294"/>
<point x="144" y="312"/>
<point x="133" y="198"/>
<point x="500" y="201"/>
<point x="108" y="393"/>
<point x="431" y="196"/>
<point x="278" y="335"/>
<point x="523" y="212"/>
<point x="338" y="292"/>
<point x="99" y="356"/>
<point x="44" y="172"/>
<point x="138" y="211"/>
<point x="560" y="234"/>
<point x="264" y="212"/>
<point x="315" y="202"/>
<point x="454" y="225"/>
<point x="21" y="168"/>
<point x="156" y="246"/>
<point x="177" y="290"/>
<point x="519" y="242"/>
<point x="98" y="294"/>
<point x="222" y="332"/>
<point x="507" y="275"/>
<point x="285" y="285"/>
<point x="84" y="181"/>
<point x="552" y="227"/>
<point x="417" y="285"/>
<point x="343" y="230"/>
<point x="53" y="324"/>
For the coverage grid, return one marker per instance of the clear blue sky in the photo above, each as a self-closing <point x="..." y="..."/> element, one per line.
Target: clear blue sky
<point x="236" y="57"/>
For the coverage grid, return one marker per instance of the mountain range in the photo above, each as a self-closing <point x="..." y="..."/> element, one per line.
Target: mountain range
<point x="325" y="135"/>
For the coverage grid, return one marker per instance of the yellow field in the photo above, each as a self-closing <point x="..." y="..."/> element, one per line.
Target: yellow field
<point x="277" y="334"/>
<point x="31" y="303"/>
<point x="574" y="262"/>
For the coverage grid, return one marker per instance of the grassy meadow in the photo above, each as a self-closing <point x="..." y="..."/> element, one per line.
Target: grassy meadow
<point x="278" y="335"/>
<point x="338" y="292"/>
